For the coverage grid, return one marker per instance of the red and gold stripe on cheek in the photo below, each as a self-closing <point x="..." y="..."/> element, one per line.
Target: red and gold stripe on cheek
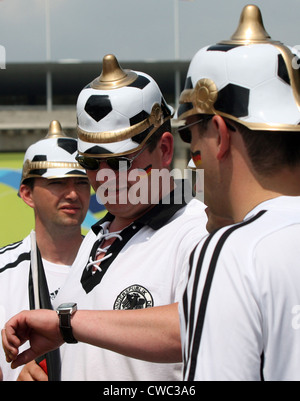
<point x="196" y="156"/>
<point x="147" y="169"/>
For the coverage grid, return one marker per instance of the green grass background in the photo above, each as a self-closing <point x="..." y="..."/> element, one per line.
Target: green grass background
<point x="16" y="218"/>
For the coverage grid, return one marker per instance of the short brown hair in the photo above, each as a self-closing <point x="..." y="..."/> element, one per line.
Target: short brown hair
<point x="153" y="141"/>
<point x="269" y="151"/>
<point x="29" y="182"/>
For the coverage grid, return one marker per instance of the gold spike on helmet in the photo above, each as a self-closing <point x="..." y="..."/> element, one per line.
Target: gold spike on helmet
<point x="113" y="76"/>
<point x="52" y="157"/>
<point x="119" y="111"/>
<point x="249" y="78"/>
<point x="55" y="130"/>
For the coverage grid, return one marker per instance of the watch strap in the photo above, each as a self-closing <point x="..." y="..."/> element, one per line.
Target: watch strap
<point x="66" y="328"/>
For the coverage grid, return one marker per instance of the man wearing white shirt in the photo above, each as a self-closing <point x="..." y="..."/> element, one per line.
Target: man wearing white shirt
<point x="33" y="270"/>
<point x="239" y="311"/>
<point x="136" y="257"/>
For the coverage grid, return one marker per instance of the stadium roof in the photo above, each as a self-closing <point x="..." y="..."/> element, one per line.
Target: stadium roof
<point x="24" y="84"/>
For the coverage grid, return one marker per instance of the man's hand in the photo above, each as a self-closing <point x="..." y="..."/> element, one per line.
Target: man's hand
<point x="32" y="372"/>
<point x="40" y="327"/>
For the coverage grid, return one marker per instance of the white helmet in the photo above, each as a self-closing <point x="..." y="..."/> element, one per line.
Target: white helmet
<point x="52" y="157"/>
<point x="119" y="111"/>
<point x="250" y="79"/>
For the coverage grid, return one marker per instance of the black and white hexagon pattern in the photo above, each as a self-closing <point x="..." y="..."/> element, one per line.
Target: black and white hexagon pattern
<point x="54" y="150"/>
<point x="253" y="82"/>
<point x="117" y="109"/>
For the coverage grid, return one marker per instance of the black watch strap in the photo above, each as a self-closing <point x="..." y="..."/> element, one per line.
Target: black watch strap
<point x="66" y="328"/>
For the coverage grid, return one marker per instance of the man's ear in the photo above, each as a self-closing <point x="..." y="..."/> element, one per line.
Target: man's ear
<point x="166" y="144"/>
<point x="25" y="193"/>
<point x="223" y="137"/>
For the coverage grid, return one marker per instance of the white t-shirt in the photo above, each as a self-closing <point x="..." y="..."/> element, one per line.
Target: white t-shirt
<point x="147" y="268"/>
<point x="240" y="315"/>
<point x="56" y="276"/>
<point x="15" y="291"/>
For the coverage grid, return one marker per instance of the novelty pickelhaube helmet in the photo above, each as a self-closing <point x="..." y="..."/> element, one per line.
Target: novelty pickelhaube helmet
<point x="119" y="111"/>
<point x="52" y="157"/>
<point x="250" y="79"/>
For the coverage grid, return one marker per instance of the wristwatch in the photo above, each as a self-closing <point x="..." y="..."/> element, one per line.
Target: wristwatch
<point x="65" y="312"/>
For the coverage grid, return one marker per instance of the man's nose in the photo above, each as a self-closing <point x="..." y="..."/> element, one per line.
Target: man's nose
<point x="71" y="192"/>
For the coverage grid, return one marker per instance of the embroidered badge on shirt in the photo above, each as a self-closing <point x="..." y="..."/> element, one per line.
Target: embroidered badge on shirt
<point x="134" y="297"/>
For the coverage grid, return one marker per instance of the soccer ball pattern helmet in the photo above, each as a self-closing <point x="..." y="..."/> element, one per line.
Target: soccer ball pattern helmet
<point x="52" y="157"/>
<point x="119" y="111"/>
<point x="250" y="79"/>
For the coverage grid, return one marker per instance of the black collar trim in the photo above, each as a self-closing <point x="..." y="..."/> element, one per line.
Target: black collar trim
<point x="160" y="214"/>
<point x="156" y="218"/>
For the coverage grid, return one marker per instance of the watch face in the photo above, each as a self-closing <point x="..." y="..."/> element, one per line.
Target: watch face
<point x="68" y="307"/>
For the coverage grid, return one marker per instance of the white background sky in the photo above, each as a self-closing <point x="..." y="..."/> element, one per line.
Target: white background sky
<point x="134" y="30"/>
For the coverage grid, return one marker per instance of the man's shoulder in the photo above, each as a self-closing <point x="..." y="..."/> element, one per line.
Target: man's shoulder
<point x="266" y="226"/>
<point x="15" y="253"/>
<point x="192" y="214"/>
<point x="193" y="209"/>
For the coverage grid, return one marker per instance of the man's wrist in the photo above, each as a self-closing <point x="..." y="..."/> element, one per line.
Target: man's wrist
<point x="65" y="313"/>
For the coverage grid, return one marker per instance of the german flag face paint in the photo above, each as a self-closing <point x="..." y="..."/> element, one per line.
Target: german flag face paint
<point x="196" y="156"/>
<point x="147" y="169"/>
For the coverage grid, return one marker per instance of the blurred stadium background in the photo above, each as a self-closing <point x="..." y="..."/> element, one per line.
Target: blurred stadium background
<point x="26" y="111"/>
<point x="42" y="79"/>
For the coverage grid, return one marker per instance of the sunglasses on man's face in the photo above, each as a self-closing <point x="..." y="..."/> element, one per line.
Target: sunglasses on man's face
<point x="115" y="163"/>
<point x="186" y="134"/>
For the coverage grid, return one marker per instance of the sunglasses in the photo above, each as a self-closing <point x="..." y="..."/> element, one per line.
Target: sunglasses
<point x="115" y="163"/>
<point x="185" y="132"/>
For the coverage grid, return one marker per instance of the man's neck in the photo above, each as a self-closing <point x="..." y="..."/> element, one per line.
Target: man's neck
<point x="121" y="222"/>
<point x="284" y="183"/>
<point x="60" y="248"/>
